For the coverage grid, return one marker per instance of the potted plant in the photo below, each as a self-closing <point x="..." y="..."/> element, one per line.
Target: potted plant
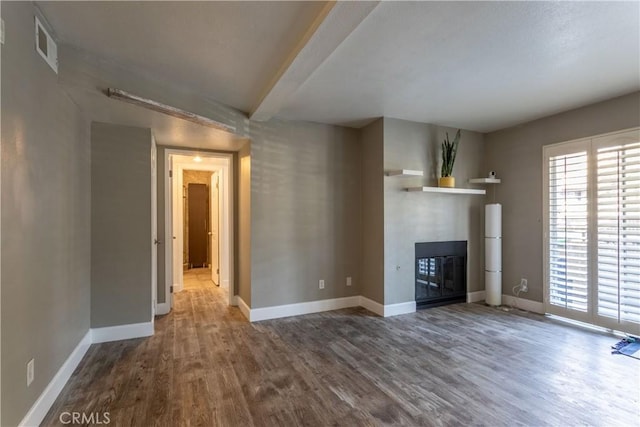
<point x="449" y="150"/>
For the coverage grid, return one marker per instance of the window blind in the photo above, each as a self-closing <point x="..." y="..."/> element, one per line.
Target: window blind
<point x="618" y="230"/>
<point x="568" y="231"/>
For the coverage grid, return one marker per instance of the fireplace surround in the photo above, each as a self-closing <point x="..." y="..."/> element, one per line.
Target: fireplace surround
<point x="441" y="273"/>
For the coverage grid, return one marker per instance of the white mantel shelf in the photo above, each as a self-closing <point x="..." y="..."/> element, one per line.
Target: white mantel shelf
<point x="447" y="190"/>
<point x="484" y="181"/>
<point x="404" y="173"/>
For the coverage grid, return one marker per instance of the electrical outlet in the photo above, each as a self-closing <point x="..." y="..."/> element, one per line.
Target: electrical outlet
<point x="348" y="281"/>
<point x="524" y="285"/>
<point x="31" y="373"/>
<point x="321" y="284"/>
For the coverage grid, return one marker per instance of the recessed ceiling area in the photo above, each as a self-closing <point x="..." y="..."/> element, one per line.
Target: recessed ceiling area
<point x="480" y="66"/>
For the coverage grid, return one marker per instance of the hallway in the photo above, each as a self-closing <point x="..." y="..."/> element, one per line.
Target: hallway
<point x="460" y="364"/>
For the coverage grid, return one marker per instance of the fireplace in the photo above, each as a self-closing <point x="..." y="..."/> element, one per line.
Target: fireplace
<point x="441" y="273"/>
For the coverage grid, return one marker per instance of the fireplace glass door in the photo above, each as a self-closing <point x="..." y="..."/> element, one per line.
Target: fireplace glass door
<point x="441" y="273"/>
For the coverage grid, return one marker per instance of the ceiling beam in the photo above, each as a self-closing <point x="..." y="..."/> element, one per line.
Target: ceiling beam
<point x="167" y="109"/>
<point x="331" y="27"/>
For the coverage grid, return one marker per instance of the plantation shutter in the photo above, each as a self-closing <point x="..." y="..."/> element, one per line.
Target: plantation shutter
<point x="568" y="269"/>
<point x="618" y="229"/>
<point x="592" y="230"/>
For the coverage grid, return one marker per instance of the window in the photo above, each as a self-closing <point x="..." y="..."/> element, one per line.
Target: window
<point x="592" y="230"/>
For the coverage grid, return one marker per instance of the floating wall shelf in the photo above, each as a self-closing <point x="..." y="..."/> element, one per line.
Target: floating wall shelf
<point x="447" y="190"/>
<point x="402" y="173"/>
<point x="484" y="181"/>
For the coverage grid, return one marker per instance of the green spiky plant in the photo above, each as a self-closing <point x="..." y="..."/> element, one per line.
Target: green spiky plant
<point x="449" y="150"/>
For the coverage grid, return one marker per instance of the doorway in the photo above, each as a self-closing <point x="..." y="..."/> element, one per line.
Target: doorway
<point x="211" y="245"/>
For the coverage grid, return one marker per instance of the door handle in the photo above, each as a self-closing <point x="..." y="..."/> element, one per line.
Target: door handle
<point x="210" y="233"/>
<point x="157" y="242"/>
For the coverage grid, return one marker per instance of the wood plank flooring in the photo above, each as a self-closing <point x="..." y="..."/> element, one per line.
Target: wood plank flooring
<point x="464" y="364"/>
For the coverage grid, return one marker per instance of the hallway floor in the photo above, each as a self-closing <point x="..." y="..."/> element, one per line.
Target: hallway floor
<point x="464" y="364"/>
<point x="196" y="278"/>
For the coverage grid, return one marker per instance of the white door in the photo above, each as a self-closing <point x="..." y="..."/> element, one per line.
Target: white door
<point x="214" y="232"/>
<point x="155" y="244"/>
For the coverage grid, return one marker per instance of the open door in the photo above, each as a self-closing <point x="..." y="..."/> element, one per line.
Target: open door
<point x="214" y="231"/>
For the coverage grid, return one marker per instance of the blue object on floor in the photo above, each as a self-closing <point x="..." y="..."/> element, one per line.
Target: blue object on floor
<point x="629" y="346"/>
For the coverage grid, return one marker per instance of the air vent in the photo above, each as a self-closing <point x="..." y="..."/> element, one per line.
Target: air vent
<point x="46" y="47"/>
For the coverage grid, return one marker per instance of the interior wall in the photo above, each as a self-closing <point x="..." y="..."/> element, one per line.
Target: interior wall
<point x="160" y="232"/>
<point x="305" y="204"/>
<point x="45" y="218"/>
<point x="120" y="225"/>
<point x="372" y="220"/>
<point x="516" y="155"/>
<point x="242" y="223"/>
<point x="411" y="217"/>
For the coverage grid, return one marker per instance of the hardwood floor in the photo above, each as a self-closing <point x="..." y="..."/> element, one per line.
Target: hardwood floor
<point x="464" y="364"/>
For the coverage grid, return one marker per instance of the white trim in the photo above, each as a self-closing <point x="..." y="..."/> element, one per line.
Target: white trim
<point x="40" y="408"/>
<point x="524" y="304"/>
<point x="234" y="300"/>
<point x="162" y="308"/>
<point x="399" y="308"/>
<point x="177" y="287"/>
<point x="244" y="308"/>
<point x="372" y="306"/>
<point x="154" y="227"/>
<point x="121" y="332"/>
<point x="287" y="310"/>
<point x="476" y="296"/>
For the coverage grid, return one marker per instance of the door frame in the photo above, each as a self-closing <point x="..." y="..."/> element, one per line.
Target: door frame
<point x="154" y="228"/>
<point x="222" y="162"/>
<point x="217" y="208"/>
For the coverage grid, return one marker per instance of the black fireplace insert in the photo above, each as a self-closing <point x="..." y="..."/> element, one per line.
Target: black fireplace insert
<point x="441" y="273"/>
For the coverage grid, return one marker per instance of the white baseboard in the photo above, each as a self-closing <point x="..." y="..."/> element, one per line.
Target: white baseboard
<point x="162" y="308"/>
<point x="234" y="300"/>
<point x="287" y="310"/>
<point x="372" y="306"/>
<point x="524" y="304"/>
<point x="121" y="332"/>
<point x="400" y="308"/>
<point x="40" y="408"/>
<point x="177" y="287"/>
<point x="476" y="296"/>
<point x="278" y="311"/>
<point x="244" y="308"/>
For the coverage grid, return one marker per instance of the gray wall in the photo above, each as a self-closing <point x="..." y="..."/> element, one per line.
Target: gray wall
<point x="516" y="155"/>
<point x="120" y="225"/>
<point x="372" y="224"/>
<point x="411" y="217"/>
<point x="160" y="295"/>
<point x="45" y="218"/>
<point x="305" y="204"/>
<point x="242" y="223"/>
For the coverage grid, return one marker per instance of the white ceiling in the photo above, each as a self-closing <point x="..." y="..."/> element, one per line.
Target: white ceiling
<point x="475" y="65"/>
